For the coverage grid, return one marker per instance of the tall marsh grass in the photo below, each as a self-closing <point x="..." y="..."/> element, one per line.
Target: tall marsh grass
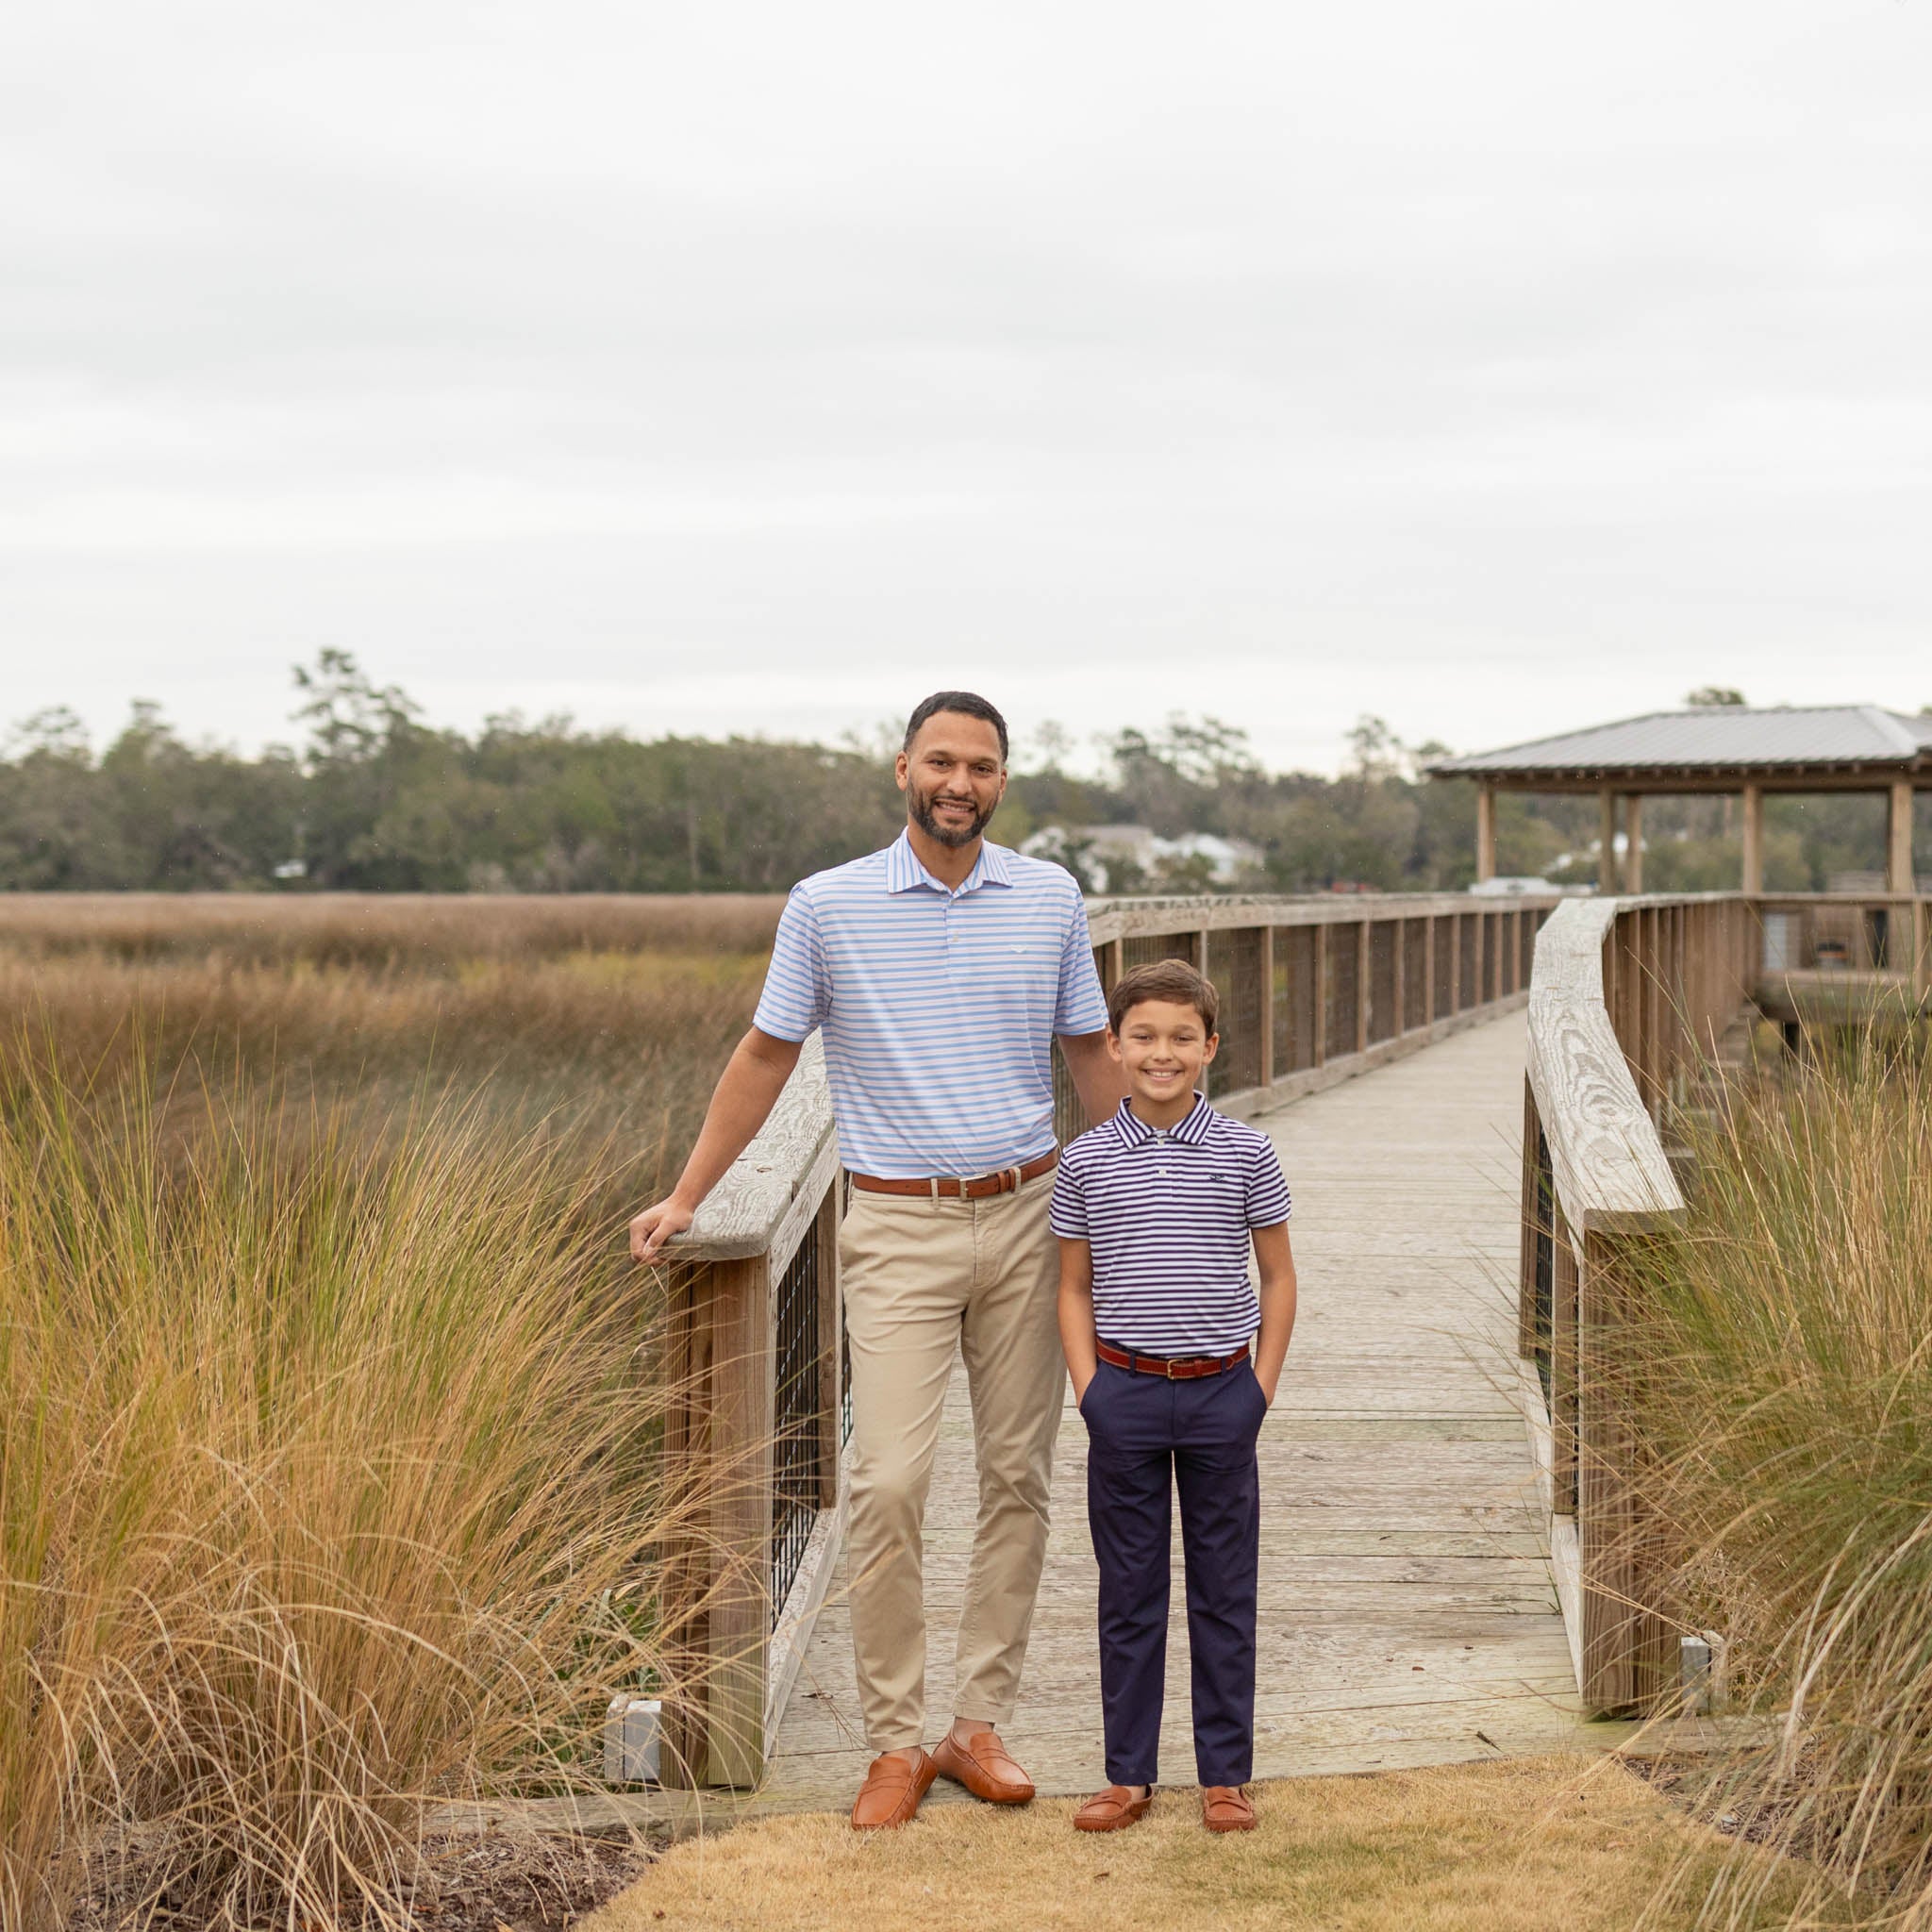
<point x="325" y="1488"/>
<point x="328" y="1411"/>
<point x="1786" y="1389"/>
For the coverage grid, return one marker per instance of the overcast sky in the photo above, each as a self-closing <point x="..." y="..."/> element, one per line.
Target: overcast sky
<point x="1494" y="366"/>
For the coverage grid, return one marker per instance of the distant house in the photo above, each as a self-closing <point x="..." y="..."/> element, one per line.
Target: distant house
<point x="1132" y="857"/>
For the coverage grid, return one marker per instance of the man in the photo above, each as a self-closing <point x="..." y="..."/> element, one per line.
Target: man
<point x="940" y="970"/>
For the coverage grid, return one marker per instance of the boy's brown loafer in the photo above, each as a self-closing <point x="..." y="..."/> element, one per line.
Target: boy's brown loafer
<point x="984" y="1767"/>
<point x="1113" y="1809"/>
<point x="892" y="1791"/>
<point x="1227" y="1807"/>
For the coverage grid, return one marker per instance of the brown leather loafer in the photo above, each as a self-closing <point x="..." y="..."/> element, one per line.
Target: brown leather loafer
<point x="984" y="1767"/>
<point x="1113" y="1809"/>
<point x="1227" y="1807"/>
<point x="890" y="1794"/>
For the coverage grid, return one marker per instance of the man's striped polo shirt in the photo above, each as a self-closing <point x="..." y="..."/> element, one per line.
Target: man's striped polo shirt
<point x="1167" y="1213"/>
<point x="939" y="1006"/>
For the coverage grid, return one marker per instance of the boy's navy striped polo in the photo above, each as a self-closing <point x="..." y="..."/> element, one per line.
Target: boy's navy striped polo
<point x="1167" y="1214"/>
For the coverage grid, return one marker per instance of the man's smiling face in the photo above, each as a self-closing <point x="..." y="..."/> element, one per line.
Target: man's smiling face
<point x="953" y="778"/>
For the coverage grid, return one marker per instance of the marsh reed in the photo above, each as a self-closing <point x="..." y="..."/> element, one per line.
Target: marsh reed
<point x="328" y="1398"/>
<point x="1785" y="1386"/>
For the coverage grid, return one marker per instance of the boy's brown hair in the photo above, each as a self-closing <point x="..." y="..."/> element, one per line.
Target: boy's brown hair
<point x="1172" y="980"/>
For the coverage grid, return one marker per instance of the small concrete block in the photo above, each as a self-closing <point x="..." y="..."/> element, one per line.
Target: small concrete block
<point x="632" y="1727"/>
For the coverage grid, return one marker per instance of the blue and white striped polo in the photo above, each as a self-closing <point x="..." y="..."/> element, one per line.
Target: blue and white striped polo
<point x="1167" y="1214"/>
<point x="939" y="1007"/>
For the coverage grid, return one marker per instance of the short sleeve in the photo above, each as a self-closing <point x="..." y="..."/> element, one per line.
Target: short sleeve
<point x="1081" y="1007"/>
<point x="1268" y="1198"/>
<point x="1066" y="1213"/>
<point x="797" y="994"/>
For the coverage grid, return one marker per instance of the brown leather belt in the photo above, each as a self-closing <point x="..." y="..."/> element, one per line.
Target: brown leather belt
<point x="953" y="1187"/>
<point x="1176" y="1368"/>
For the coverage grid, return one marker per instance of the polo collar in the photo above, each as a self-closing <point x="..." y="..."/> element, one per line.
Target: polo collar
<point x="904" y="873"/>
<point x="1135" y="1132"/>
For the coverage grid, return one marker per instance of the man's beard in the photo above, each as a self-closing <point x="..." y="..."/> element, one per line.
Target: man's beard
<point x="952" y="835"/>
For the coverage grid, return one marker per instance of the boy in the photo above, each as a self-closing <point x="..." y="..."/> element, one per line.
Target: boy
<point x="1155" y="1212"/>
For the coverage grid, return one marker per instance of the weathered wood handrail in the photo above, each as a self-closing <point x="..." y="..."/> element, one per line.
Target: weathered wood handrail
<point x="1625" y="997"/>
<point x="1313" y="991"/>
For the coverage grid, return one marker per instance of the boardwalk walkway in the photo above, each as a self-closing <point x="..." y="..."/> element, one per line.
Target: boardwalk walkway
<point x="1407" y="1613"/>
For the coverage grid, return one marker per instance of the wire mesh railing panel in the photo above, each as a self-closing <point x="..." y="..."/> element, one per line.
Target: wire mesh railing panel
<point x="1445" y="966"/>
<point x="1385" y="937"/>
<point x="1294" y="998"/>
<point x="1415" y="969"/>
<point x="1068" y="1116"/>
<point x="1234" y="964"/>
<point x="795" y="1418"/>
<point x="1467" y="939"/>
<point x="1145" y="948"/>
<point x="1345" y="989"/>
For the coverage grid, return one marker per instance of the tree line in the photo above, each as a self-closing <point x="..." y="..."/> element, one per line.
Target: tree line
<point x="376" y="799"/>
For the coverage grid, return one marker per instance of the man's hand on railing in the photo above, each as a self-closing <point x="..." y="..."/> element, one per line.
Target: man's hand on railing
<point x="655" y="1225"/>
<point x="745" y="1093"/>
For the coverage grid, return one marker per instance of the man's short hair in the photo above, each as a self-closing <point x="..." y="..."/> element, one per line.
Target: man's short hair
<point x="1172" y="980"/>
<point x="968" y="704"/>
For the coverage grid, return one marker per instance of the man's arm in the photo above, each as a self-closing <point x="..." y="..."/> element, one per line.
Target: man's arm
<point x="1275" y="1263"/>
<point x="1099" y="1081"/>
<point x="746" y="1092"/>
<point x="1077" y="1313"/>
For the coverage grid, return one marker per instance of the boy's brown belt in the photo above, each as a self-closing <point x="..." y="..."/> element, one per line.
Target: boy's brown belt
<point x="1178" y="1368"/>
<point x="952" y="1187"/>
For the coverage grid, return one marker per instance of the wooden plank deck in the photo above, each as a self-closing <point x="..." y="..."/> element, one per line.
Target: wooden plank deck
<point x="1407" y="1612"/>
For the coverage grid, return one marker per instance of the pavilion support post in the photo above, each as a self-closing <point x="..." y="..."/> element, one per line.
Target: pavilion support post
<point x="1633" y="842"/>
<point x="1898" y="845"/>
<point x="1484" y="832"/>
<point x="1606" y="847"/>
<point x="1754" y="841"/>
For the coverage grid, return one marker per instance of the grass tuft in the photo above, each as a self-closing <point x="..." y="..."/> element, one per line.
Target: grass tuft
<point x="327" y="1486"/>
<point x="1785" y="1389"/>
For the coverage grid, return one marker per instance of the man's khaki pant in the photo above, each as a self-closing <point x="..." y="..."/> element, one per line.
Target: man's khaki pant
<point x="924" y="1280"/>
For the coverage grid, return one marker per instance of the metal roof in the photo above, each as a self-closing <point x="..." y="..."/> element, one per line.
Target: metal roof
<point x="1721" y="738"/>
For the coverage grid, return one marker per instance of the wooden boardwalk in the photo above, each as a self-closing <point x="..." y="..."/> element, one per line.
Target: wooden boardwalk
<point x="1407" y="1612"/>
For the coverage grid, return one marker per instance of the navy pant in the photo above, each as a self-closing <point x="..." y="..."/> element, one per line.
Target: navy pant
<point x="1148" y="1435"/>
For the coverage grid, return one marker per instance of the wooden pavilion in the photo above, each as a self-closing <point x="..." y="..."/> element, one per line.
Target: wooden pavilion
<point x="1720" y="748"/>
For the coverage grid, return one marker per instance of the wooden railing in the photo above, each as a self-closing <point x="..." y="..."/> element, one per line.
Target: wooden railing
<point x="752" y="1443"/>
<point x="1312" y="990"/>
<point x="1627" y="1001"/>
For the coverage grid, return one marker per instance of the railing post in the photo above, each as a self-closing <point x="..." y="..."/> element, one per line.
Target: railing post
<point x="1267" y="970"/>
<point x="1364" y="983"/>
<point x="1398" y="937"/>
<point x="722" y="1431"/>
<point x="1625" y="1644"/>
<point x="1429" y="970"/>
<point x="1321" y="1014"/>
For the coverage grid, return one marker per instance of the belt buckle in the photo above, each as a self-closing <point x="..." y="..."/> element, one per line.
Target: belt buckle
<point x="1168" y="1366"/>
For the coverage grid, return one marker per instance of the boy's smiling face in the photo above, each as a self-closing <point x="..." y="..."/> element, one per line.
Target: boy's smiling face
<point x="1163" y="1045"/>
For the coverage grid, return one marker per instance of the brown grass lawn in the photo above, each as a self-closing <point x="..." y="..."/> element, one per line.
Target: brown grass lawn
<point x="1528" y="1845"/>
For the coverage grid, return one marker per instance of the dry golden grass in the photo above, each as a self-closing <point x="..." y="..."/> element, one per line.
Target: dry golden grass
<point x="505" y="1004"/>
<point x="327" y="1487"/>
<point x="1530" y="1845"/>
<point x="328" y="1394"/>
<point x="412" y="931"/>
<point x="1785" y="1389"/>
